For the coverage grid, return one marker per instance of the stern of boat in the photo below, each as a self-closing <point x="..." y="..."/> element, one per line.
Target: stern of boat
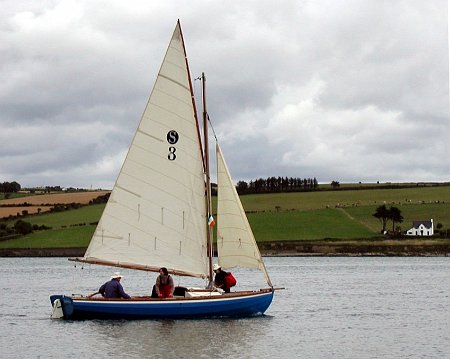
<point x="62" y="307"/>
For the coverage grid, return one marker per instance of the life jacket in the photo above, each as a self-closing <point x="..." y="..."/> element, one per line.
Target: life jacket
<point x="165" y="290"/>
<point x="230" y="281"/>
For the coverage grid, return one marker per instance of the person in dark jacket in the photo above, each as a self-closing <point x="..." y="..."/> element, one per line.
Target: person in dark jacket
<point x="219" y="278"/>
<point x="113" y="288"/>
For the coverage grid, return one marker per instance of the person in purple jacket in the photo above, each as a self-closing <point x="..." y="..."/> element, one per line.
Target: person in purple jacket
<point x="113" y="288"/>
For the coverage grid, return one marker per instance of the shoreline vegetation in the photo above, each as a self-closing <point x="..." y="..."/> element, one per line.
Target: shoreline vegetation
<point x="323" y="248"/>
<point x="325" y="222"/>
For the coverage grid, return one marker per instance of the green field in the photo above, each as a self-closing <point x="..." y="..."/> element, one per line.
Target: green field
<point x="343" y="198"/>
<point x="71" y="228"/>
<point x="56" y="238"/>
<point x="344" y="214"/>
<point x="58" y="220"/>
<point x="13" y="195"/>
<point x="306" y="225"/>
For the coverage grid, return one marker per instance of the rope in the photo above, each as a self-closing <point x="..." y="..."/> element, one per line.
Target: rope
<point x="212" y="127"/>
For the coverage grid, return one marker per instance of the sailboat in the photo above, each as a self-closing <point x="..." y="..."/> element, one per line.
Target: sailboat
<point x="159" y="209"/>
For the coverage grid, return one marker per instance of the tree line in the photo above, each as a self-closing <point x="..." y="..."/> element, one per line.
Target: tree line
<point x="10" y="187"/>
<point x="14" y="187"/>
<point x="277" y="184"/>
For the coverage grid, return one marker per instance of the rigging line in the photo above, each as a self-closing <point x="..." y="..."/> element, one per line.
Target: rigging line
<point x="196" y="79"/>
<point x="209" y="120"/>
<point x="212" y="127"/>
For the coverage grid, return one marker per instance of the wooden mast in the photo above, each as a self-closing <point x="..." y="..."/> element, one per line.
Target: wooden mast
<point x="208" y="181"/>
<point x="205" y="158"/>
<point x="192" y="92"/>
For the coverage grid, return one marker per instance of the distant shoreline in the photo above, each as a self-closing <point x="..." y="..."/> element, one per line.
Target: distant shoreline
<point x="380" y="247"/>
<point x="328" y="248"/>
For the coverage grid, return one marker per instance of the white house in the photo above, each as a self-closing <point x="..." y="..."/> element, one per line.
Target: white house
<point x="421" y="228"/>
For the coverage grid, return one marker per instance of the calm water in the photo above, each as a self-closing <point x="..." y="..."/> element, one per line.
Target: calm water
<point x="332" y="308"/>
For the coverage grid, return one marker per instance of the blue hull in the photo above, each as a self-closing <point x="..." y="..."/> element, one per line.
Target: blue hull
<point x="234" y="305"/>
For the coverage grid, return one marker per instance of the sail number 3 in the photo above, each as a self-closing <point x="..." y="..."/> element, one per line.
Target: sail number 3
<point x="172" y="138"/>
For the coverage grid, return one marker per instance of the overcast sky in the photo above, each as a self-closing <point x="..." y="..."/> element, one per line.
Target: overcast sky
<point x="345" y="90"/>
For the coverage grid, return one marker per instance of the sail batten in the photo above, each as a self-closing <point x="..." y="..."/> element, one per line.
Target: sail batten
<point x="150" y="135"/>
<point x="130" y="192"/>
<point x="175" y="82"/>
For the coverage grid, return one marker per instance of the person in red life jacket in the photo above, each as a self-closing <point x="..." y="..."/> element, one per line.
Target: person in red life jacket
<point x="222" y="279"/>
<point x="113" y="288"/>
<point x="164" y="284"/>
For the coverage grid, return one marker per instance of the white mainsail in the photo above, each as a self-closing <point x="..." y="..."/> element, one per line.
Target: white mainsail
<point x="156" y="214"/>
<point x="236" y="244"/>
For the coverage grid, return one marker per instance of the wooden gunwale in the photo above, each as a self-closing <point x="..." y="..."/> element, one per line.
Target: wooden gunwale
<point x="175" y="299"/>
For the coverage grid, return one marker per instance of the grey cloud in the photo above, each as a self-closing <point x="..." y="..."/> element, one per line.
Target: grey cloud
<point x="338" y="90"/>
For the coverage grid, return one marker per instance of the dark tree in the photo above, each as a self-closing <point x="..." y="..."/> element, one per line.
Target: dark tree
<point x="10" y="187"/>
<point x="315" y="183"/>
<point x="23" y="227"/>
<point x="335" y="184"/>
<point x="242" y="187"/>
<point x="383" y="215"/>
<point x="395" y="216"/>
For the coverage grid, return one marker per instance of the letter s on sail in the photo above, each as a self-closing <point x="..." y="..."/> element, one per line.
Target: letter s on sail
<point x="172" y="137"/>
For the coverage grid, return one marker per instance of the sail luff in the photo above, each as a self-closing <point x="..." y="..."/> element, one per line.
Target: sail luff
<point x="236" y="244"/>
<point x="192" y="93"/>
<point x="156" y="214"/>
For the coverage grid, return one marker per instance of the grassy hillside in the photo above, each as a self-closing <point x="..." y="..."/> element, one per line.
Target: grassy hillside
<point x="345" y="214"/>
<point x="12" y="195"/>
<point x="72" y="228"/>
<point x="306" y="225"/>
<point x="58" y="220"/>
<point x="55" y="238"/>
<point x="322" y="199"/>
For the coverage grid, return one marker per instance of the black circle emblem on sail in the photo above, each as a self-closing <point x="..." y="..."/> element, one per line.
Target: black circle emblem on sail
<point x="172" y="138"/>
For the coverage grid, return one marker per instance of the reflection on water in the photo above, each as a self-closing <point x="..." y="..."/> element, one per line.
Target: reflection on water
<point x="332" y="307"/>
<point x="179" y="338"/>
